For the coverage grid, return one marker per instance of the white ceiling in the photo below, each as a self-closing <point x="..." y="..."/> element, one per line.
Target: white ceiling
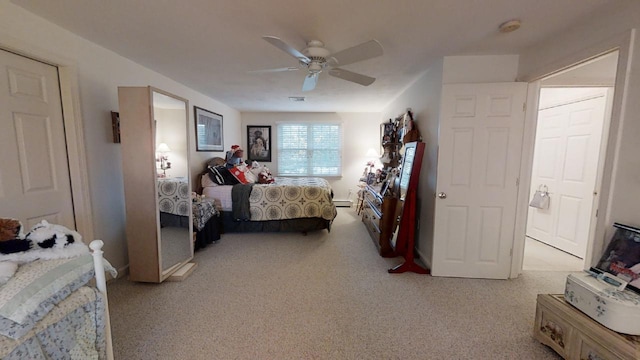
<point x="209" y="45"/>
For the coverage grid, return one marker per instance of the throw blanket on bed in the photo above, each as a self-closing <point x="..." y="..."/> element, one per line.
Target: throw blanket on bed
<point x="292" y="198"/>
<point x="240" y="194"/>
<point x="174" y="196"/>
<point x="74" y="329"/>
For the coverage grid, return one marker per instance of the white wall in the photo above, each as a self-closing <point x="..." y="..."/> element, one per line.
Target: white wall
<point x="361" y="131"/>
<point x="479" y="69"/>
<point x="610" y="29"/>
<point x="423" y="97"/>
<point x="172" y="130"/>
<point x="99" y="73"/>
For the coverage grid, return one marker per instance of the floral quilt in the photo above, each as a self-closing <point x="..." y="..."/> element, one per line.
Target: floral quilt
<point x="174" y="196"/>
<point x="292" y="198"/>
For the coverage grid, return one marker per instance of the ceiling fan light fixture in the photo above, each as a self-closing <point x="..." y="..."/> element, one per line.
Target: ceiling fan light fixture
<point x="316" y="58"/>
<point x="509" y="26"/>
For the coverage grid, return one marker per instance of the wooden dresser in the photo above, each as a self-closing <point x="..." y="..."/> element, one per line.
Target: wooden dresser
<point x="574" y="335"/>
<point x="378" y="215"/>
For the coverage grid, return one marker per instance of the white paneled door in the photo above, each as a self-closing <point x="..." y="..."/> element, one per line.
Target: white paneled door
<point x="479" y="155"/>
<point x="34" y="170"/>
<point x="567" y="150"/>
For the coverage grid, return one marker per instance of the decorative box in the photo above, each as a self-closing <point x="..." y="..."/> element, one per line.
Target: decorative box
<point x="602" y="300"/>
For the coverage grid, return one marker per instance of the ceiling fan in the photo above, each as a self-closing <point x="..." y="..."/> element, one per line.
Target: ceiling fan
<point x="315" y="58"/>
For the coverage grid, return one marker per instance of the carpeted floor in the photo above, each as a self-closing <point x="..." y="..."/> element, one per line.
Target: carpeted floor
<point x="323" y="296"/>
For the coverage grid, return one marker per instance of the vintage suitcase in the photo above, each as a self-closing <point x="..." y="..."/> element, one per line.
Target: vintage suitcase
<point x="603" y="300"/>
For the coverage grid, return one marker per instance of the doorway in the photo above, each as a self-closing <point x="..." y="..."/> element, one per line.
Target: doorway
<point x="572" y="127"/>
<point x="36" y="181"/>
<point x="73" y="129"/>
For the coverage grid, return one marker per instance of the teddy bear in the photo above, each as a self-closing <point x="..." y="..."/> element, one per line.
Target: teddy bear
<point x="10" y="229"/>
<point x="11" y="236"/>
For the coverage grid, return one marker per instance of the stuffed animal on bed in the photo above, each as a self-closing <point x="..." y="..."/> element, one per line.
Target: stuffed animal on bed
<point x="11" y="236"/>
<point x="45" y="241"/>
<point x="10" y="229"/>
<point x="11" y="240"/>
<point x="262" y="173"/>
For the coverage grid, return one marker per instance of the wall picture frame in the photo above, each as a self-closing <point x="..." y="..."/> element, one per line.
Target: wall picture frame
<point x="209" y="130"/>
<point x="115" y="126"/>
<point x="259" y="143"/>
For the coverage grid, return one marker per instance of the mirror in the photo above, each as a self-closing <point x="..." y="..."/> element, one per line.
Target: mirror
<point x="405" y="170"/>
<point x="170" y="116"/>
<point x="403" y="240"/>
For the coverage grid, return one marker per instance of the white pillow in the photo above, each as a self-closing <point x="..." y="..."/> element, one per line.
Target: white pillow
<point x="7" y="269"/>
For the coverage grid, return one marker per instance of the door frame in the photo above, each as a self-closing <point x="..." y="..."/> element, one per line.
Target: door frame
<point x="621" y="43"/>
<point x="73" y="128"/>
<point x="604" y="92"/>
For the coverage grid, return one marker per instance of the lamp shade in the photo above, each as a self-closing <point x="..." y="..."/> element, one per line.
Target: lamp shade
<point x="372" y="153"/>
<point x="163" y="148"/>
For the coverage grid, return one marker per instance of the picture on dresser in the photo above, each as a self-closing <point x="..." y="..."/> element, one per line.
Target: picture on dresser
<point x="622" y="256"/>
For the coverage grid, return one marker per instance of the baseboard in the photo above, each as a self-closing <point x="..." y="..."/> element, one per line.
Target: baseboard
<point x="343" y="203"/>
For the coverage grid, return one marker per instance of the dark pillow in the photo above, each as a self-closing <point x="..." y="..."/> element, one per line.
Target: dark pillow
<point x="221" y="175"/>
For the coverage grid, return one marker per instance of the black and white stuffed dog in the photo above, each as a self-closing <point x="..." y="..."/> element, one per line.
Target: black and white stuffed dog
<point x="44" y="241"/>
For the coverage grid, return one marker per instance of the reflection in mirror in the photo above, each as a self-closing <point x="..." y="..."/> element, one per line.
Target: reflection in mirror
<point x="172" y="168"/>
<point x="405" y="170"/>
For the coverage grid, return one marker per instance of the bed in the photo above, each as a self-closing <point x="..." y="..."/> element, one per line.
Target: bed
<point x="286" y="205"/>
<point x="49" y="310"/>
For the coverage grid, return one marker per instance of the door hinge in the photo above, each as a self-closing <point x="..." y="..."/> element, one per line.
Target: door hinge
<point x="597" y="212"/>
<point x="524" y="106"/>
<point x="517" y="181"/>
<point x="511" y="252"/>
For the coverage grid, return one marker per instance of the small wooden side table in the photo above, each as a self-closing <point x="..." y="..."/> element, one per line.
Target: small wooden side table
<point x="574" y="335"/>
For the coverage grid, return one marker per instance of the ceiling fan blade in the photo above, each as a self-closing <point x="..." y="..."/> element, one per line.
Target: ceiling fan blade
<point x="364" y="51"/>
<point x="286" y="48"/>
<point x="290" y="68"/>
<point x="310" y="82"/>
<point x="351" y="76"/>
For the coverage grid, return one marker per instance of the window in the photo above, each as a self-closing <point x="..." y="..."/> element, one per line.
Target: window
<point x="309" y="149"/>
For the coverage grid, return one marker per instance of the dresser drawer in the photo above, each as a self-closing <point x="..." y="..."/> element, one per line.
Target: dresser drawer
<point x="371" y="220"/>
<point x="552" y="330"/>
<point x="590" y="349"/>
<point x="373" y="202"/>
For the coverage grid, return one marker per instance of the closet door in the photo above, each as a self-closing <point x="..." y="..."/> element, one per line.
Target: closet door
<point x="154" y="136"/>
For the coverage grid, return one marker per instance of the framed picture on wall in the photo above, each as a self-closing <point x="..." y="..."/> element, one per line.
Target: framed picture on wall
<point x="115" y="126"/>
<point x="259" y="143"/>
<point x="208" y="130"/>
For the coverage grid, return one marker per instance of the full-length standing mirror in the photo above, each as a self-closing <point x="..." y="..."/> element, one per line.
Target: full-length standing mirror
<point x="404" y="236"/>
<point x="172" y="168"/>
<point x="154" y="136"/>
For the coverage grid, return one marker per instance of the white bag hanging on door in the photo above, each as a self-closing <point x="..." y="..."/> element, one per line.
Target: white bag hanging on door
<point x="540" y="198"/>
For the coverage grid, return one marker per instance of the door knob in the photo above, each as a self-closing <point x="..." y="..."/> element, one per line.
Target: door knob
<point x="442" y="195"/>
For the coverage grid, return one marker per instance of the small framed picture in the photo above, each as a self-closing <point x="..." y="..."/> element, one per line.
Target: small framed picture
<point x="115" y="126"/>
<point x="208" y="130"/>
<point x="259" y="143"/>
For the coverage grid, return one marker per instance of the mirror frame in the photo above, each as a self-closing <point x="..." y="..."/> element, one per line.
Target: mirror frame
<point x="165" y="273"/>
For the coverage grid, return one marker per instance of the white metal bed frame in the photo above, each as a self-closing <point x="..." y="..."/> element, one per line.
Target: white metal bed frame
<point x="101" y="284"/>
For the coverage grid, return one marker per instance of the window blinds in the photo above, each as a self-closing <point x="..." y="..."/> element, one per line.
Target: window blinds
<point x="309" y="149"/>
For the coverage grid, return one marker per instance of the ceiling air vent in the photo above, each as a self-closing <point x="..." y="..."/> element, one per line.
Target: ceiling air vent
<point x="297" y="98"/>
